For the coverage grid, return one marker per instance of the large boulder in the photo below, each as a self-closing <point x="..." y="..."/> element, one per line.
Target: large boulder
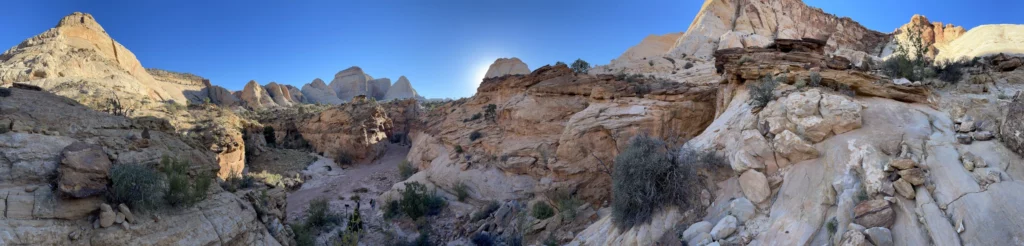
<point x="793" y="147"/>
<point x="84" y="169"/>
<point x="507" y="66"/>
<point x="402" y="89"/>
<point x="1012" y="130"/>
<point x="874" y="213"/>
<point x="318" y="92"/>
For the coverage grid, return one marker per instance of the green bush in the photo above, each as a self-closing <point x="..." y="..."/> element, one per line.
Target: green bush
<point x="135" y="185"/>
<point x="580" y="66"/>
<point x="303" y="235"/>
<point x="762" y="92"/>
<point x="392" y="209"/>
<point x="406" y="170"/>
<point x="815" y="79"/>
<point x="417" y="202"/>
<point x="342" y="157"/>
<point x="647" y="177"/>
<point x="236" y="182"/>
<point x="909" y="61"/>
<point x="473" y="136"/>
<point x="458" y="149"/>
<point x="183" y="190"/>
<point x="688" y="65"/>
<point x="951" y="71"/>
<point x="461" y="191"/>
<point x="567" y="206"/>
<point x="542" y="210"/>
<point x="319" y="215"/>
<point x="559" y="63"/>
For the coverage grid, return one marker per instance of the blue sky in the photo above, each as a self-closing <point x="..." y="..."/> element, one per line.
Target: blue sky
<point x="441" y="46"/>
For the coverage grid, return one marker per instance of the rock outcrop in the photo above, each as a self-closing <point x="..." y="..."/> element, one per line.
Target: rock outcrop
<point x="45" y="126"/>
<point x="280" y="94"/>
<point x="78" y="56"/>
<point x="506" y="66"/>
<point x="255" y="96"/>
<point x="351" y="131"/>
<point x="652" y="46"/>
<point x="84" y="169"/>
<point x="318" y="92"/>
<point x="223" y="97"/>
<point x="350" y="83"/>
<point x="787" y="19"/>
<point x="379" y="88"/>
<point x="549" y="134"/>
<point x="933" y="35"/>
<point x="402" y="89"/>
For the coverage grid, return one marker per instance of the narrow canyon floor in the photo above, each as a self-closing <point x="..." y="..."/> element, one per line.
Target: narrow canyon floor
<point x="325" y="179"/>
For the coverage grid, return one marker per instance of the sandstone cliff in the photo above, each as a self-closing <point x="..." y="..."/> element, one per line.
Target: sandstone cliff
<point x="79" y="54"/>
<point x="255" y="96"/>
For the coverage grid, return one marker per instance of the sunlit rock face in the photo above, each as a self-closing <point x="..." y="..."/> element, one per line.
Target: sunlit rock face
<point x="318" y="92"/>
<point x="507" y="66"/>
<point x="402" y="89"/>
<point x="350" y="82"/>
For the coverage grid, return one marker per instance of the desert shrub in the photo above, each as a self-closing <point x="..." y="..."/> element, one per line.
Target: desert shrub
<point x="567" y="206"/>
<point x="485" y="211"/>
<point x="909" y="60"/>
<point x="762" y="92"/>
<point x="461" y="191"/>
<point x="542" y="210"/>
<point x="173" y="108"/>
<point x="458" y="149"/>
<point x="745" y="59"/>
<point x="135" y="185"/>
<point x="647" y="177"/>
<point x="114" y="106"/>
<point x="483" y="239"/>
<point x="361" y="190"/>
<point x="355" y="221"/>
<point x="5" y="92"/>
<point x="702" y="159"/>
<point x="346" y="238"/>
<point x="342" y="157"/>
<point x="319" y="215"/>
<point x="406" y="170"/>
<point x="272" y="179"/>
<point x="951" y="71"/>
<point x="303" y="235"/>
<point x="580" y="66"/>
<point x="832" y="226"/>
<point x="490" y="111"/>
<point x="183" y="190"/>
<point x="236" y="182"/>
<point x="473" y="136"/>
<point x="673" y="61"/>
<point x="417" y="202"/>
<point x="392" y="209"/>
<point x="651" y="63"/>
<point x="815" y="79"/>
<point x="845" y="89"/>
<point x="688" y="65"/>
<point x="559" y="63"/>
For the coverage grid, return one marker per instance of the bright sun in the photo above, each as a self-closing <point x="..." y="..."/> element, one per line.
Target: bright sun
<point x="478" y="75"/>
